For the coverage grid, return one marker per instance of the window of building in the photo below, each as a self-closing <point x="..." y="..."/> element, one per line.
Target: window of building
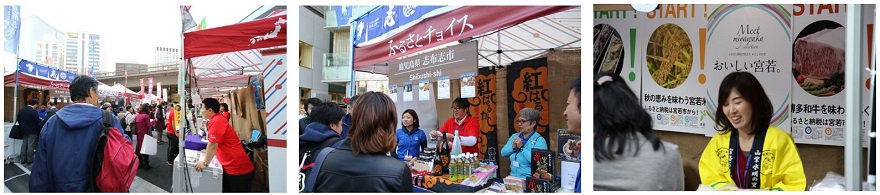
<point x="305" y="55"/>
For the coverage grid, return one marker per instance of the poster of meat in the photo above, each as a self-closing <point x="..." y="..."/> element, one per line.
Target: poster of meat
<point x="818" y="54"/>
<point x="614" y="46"/>
<point x="866" y="109"/>
<point x="673" y="84"/>
<point x="754" y="39"/>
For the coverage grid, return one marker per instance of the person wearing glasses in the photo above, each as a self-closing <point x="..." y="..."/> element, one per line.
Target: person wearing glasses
<point x="468" y="127"/>
<point x="519" y="146"/>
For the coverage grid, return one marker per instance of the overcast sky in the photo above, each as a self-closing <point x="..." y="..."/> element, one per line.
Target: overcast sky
<point x="131" y="31"/>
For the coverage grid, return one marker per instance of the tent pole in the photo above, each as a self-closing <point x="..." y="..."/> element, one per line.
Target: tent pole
<point x="853" y="144"/>
<point x="351" y="84"/>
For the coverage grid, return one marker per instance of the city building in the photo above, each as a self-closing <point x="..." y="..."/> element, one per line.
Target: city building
<point x="73" y="52"/>
<point x="82" y="52"/>
<point x="49" y="53"/>
<point x="325" y="50"/>
<point x="41" y="42"/>
<point x="165" y="58"/>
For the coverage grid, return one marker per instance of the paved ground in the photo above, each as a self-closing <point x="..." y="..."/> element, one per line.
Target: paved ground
<point x="158" y="179"/>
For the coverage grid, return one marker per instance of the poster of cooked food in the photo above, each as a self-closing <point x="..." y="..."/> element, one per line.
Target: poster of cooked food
<point x="754" y="39"/>
<point x="867" y="86"/>
<point x="818" y="58"/>
<point x="614" y="45"/>
<point x="672" y="92"/>
<point x="424" y="90"/>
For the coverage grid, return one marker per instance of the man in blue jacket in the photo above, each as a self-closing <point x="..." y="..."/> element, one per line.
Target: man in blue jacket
<point x="68" y="142"/>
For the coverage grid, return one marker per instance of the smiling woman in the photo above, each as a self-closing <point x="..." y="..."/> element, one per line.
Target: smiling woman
<point x="747" y="153"/>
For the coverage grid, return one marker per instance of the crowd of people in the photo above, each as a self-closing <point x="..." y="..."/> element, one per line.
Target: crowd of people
<point x="368" y="136"/>
<point x="61" y="143"/>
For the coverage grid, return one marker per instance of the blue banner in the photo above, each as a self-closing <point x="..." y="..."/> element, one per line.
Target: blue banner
<point x="11" y="27"/>
<point x="387" y="18"/>
<point x="343" y="14"/>
<point x="39" y="70"/>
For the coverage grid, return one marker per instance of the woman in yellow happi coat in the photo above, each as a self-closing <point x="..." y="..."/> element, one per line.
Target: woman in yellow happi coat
<point x="747" y="153"/>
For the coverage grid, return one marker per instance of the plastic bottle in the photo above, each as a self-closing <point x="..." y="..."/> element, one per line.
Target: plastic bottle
<point x="453" y="168"/>
<point x="456" y="144"/>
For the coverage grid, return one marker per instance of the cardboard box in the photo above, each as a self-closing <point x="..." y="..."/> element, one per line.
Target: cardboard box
<point x="209" y="180"/>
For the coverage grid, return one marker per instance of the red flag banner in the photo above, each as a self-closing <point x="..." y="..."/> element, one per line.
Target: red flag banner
<point x="458" y="24"/>
<point x="267" y="32"/>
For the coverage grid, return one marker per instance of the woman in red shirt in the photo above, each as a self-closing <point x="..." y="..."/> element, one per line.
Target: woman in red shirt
<point x="238" y="171"/>
<point x="468" y="127"/>
<point x="173" y="140"/>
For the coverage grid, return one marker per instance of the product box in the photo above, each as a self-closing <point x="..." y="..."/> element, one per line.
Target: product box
<point x="569" y="147"/>
<point x="542" y="164"/>
<point x="535" y="185"/>
<point x="514" y="184"/>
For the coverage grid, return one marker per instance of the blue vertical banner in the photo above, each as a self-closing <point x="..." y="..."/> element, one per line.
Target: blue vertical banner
<point x="11" y="27"/>
<point x="386" y="18"/>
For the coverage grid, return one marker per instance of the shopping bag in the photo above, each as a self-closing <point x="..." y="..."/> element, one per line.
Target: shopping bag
<point x="149" y="147"/>
<point x="16" y="133"/>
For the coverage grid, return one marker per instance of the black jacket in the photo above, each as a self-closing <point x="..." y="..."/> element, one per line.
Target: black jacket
<point x="344" y="172"/>
<point x="29" y="121"/>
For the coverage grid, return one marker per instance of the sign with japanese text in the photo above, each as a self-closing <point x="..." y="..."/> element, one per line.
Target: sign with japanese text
<point x="754" y="39"/>
<point x="818" y="50"/>
<point x="450" y="61"/>
<point x="866" y="108"/>
<point x="382" y="20"/>
<point x="458" y="24"/>
<point x="673" y="84"/>
<point x="43" y="71"/>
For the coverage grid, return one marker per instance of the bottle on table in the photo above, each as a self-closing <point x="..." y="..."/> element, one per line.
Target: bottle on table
<point x="453" y="168"/>
<point x="456" y="144"/>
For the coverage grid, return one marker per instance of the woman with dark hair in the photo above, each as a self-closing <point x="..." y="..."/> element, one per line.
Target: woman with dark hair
<point x="361" y="163"/>
<point x="410" y="139"/>
<point x="224" y="111"/>
<point x="143" y="124"/>
<point x="748" y="153"/>
<point x="627" y="153"/>
<point x="468" y="127"/>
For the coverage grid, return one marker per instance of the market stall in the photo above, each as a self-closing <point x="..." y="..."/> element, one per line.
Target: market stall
<point x="516" y="49"/>
<point x="35" y="80"/>
<point x="232" y="63"/>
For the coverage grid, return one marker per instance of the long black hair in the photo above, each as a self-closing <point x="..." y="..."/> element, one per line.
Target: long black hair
<point x="618" y="118"/>
<point x="751" y="90"/>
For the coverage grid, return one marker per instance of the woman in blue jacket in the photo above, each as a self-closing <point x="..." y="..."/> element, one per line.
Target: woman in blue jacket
<point x="519" y="146"/>
<point x="409" y="137"/>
